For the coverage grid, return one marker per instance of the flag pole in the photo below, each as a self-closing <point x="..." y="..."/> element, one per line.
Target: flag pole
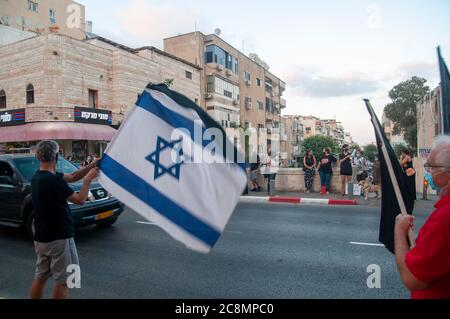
<point x="398" y="194"/>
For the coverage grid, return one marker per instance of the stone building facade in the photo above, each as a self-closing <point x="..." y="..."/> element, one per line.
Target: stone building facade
<point x="49" y="76"/>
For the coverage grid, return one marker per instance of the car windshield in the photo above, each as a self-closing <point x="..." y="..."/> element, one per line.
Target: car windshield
<point x="27" y="166"/>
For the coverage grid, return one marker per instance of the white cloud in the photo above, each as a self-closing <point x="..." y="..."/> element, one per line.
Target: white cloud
<point x="152" y="22"/>
<point x="310" y="81"/>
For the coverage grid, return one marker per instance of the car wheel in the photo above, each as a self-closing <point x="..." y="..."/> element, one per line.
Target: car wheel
<point x="107" y="223"/>
<point x="30" y="224"/>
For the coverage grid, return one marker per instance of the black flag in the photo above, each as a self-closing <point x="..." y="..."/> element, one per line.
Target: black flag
<point x="391" y="206"/>
<point x="445" y="94"/>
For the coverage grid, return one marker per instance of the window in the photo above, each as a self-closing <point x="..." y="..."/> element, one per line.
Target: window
<point x="2" y="99"/>
<point x="30" y="94"/>
<point x="219" y="86"/>
<point x="258" y="82"/>
<point x="188" y="75"/>
<point x="247" y="76"/>
<point x="93" y="98"/>
<point x="52" y="14"/>
<point x="215" y="54"/>
<point x="260" y="105"/>
<point x="32" y="6"/>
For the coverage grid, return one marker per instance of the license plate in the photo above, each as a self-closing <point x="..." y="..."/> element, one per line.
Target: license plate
<point x="104" y="215"/>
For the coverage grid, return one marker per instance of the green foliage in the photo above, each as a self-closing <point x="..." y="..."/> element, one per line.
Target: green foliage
<point x="403" y="111"/>
<point x="168" y="82"/>
<point x="318" y="143"/>
<point x="370" y="151"/>
<point x="398" y="148"/>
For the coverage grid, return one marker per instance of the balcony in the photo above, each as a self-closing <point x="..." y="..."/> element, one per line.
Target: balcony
<point x="283" y="103"/>
<point x="283" y="137"/>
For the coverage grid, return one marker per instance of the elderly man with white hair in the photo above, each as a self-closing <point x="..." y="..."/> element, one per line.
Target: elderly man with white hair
<point x="425" y="269"/>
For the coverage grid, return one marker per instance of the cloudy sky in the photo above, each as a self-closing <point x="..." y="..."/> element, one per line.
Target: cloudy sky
<point x="331" y="53"/>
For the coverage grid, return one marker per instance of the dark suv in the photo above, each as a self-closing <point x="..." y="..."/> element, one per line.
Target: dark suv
<point x="16" y="208"/>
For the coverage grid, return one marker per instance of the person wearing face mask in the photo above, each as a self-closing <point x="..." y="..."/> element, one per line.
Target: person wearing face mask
<point x="425" y="269"/>
<point x="345" y="167"/>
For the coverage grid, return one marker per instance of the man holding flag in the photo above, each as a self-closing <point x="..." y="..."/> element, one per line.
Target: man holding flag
<point x="425" y="269"/>
<point x="173" y="164"/>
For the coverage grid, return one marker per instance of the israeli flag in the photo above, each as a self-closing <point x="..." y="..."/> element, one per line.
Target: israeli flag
<point x="172" y="164"/>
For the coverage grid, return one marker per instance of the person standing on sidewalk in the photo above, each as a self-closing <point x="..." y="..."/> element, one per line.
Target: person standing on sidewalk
<point x="346" y="170"/>
<point x="425" y="269"/>
<point x="407" y="165"/>
<point x="54" y="226"/>
<point x="325" y="169"/>
<point x="360" y="163"/>
<point x="309" y="164"/>
<point x="254" y="172"/>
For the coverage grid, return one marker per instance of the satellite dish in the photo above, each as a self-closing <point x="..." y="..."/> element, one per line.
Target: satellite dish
<point x="217" y="31"/>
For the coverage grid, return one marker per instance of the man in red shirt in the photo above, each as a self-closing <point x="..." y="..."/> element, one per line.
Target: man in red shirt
<point x="425" y="269"/>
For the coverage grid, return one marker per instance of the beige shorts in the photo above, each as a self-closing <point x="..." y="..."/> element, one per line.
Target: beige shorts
<point x="53" y="258"/>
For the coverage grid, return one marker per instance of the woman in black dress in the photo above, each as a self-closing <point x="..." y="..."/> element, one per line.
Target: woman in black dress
<point x="346" y="167"/>
<point x="407" y="165"/>
<point x="309" y="163"/>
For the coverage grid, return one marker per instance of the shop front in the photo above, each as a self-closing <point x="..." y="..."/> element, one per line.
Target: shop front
<point x="87" y="135"/>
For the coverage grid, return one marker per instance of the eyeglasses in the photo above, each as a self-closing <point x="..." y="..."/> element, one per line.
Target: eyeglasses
<point x="428" y="167"/>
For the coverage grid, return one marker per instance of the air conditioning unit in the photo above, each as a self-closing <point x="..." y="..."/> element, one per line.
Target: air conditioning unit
<point x="248" y="82"/>
<point x="248" y="106"/>
<point x="208" y="96"/>
<point x="228" y="73"/>
<point x="236" y="102"/>
<point x="219" y="67"/>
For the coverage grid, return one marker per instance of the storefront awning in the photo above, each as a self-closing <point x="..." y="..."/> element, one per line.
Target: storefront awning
<point x="56" y="131"/>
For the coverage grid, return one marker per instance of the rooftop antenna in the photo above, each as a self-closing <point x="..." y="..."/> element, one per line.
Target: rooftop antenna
<point x="195" y="26"/>
<point x="218" y="32"/>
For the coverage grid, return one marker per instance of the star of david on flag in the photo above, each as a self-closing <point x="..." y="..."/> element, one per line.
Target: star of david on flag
<point x="154" y="158"/>
<point x="149" y="166"/>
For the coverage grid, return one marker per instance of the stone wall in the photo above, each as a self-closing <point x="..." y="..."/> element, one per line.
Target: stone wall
<point x="293" y="180"/>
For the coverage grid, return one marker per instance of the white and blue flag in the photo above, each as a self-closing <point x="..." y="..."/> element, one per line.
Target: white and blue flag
<point x="171" y="163"/>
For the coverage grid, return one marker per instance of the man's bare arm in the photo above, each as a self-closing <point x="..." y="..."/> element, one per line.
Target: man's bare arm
<point x="80" y="174"/>
<point x="80" y="197"/>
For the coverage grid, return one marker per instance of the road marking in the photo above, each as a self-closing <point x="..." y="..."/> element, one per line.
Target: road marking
<point x="366" y="244"/>
<point x="146" y="223"/>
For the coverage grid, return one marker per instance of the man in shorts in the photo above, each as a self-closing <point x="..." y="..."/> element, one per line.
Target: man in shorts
<point x="53" y="225"/>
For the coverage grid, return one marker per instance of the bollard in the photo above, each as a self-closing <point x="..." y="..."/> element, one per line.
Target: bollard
<point x="272" y="187"/>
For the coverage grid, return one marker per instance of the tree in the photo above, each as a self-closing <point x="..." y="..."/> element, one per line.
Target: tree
<point x="370" y="151"/>
<point x="402" y="110"/>
<point x="168" y="82"/>
<point x="317" y="143"/>
<point x="398" y="148"/>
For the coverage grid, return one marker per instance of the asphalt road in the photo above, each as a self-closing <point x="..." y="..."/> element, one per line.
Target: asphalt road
<point x="266" y="251"/>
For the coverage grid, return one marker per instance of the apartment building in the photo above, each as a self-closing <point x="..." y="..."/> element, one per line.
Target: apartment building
<point x="294" y="136"/>
<point x="235" y="90"/>
<point x="76" y="92"/>
<point x="45" y="16"/>
<point x="388" y="126"/>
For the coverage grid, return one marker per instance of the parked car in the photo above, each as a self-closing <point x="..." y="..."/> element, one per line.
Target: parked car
<point x="16" y="208"/>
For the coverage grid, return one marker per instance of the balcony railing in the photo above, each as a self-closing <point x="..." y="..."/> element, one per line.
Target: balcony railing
<point x="282" y="103"/>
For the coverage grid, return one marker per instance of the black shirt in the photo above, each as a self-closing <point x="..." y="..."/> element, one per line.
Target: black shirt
<point x="49" y="193"/>
<point x="309" y="160"/>
<point x="325" y="164"/>
<point x="346" y="166"/>
<point x="254" y="166"/>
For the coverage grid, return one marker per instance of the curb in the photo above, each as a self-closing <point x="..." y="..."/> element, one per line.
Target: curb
<point x="297" y="200"/>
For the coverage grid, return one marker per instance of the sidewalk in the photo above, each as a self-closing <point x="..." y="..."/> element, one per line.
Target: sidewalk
<point x="371" y="202"/>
